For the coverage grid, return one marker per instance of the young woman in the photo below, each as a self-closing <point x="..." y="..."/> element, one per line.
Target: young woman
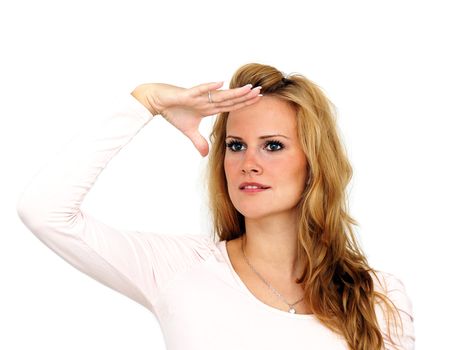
<point x="284" y="270"/>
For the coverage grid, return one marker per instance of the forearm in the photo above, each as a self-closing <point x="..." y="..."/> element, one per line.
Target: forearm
<point x="56" y="192"/>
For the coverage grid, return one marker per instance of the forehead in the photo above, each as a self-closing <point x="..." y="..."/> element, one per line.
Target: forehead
<point x="268" y="115"/>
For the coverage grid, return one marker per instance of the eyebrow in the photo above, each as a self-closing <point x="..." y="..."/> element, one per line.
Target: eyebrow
<point x="261" y="137"/>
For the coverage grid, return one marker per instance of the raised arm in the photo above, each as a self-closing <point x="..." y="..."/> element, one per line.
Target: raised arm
<point x="133" y="263"/>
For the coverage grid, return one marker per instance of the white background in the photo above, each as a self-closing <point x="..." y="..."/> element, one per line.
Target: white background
<point x="397" y="72"/>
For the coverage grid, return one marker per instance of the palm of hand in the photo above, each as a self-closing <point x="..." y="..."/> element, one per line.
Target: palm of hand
<point x="185" y="108"/>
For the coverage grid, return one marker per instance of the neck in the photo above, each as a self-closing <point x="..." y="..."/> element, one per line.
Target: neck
<point x="272" y="244"/>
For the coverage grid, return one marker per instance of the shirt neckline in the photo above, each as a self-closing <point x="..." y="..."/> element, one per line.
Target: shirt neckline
<point x="224" y="251"/>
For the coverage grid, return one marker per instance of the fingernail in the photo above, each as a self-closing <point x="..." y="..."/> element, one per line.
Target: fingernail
<point x="258" y="87"/>
<point x="250" y="85"/>
<point x="260" y="95"/>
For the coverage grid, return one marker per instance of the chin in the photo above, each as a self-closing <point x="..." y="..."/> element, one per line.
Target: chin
<point x="251" y="212"/>
<point x="255" y="212"/>
<point x="254" y="216"/>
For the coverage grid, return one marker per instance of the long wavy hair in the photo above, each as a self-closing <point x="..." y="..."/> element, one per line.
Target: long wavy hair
<point x="336" y="278"/>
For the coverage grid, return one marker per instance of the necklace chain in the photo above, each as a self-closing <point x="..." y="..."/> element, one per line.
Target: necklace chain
<point x="291" y="308"/>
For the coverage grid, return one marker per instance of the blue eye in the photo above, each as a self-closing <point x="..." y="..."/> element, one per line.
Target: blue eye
<point x="271" y="146"/>
<point x="234" y="146"/>
<point x="274" y="145"/>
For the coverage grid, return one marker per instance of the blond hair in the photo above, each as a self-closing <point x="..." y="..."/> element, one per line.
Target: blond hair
<point x="336" y="278"/>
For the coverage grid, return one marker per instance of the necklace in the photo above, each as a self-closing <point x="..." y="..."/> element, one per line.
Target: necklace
<point x="291" y="309"/>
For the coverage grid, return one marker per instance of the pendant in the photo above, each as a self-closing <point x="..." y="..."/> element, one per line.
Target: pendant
<point x="292" y="311"/>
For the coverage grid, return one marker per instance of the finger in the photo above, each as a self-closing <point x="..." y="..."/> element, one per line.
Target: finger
<point x="240" y="105"/>
<point x="199" y="142"/>
<point x="252" y="94"/>
<point x="224" y="95"/>
<point x="203" y="89"/>
<point x="213" y="111"/>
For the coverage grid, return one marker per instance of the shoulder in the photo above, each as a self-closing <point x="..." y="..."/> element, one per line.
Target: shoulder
<point x="198" y="244"/>
<point x="401" y="330"/>
<point x="391" y="286"/>
<point x="178" y="251"/>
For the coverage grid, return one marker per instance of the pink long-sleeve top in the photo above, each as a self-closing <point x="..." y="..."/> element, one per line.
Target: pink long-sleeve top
<point x="186" y="281"/>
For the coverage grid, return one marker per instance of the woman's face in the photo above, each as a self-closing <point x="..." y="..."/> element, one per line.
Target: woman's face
<point x="263" y="148"/>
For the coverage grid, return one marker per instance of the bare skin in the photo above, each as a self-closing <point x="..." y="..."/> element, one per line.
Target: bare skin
<point x="263" y="147"/>
<point x="184" y="109"/>
<point x="287" y="287"/>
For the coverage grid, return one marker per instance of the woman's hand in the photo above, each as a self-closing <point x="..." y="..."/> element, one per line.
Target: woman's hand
<point x="185" y="108"/>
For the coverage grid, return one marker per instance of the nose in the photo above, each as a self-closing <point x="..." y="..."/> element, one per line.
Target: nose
<point x="250" y="163"/>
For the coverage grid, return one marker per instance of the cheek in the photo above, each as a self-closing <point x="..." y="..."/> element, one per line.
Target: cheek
<point x="285" y="165"/>
<point x="297" y="173"/>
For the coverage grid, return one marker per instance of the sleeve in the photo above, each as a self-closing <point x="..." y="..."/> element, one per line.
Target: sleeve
<point x="133" y="263"/>
<point x="399" y="335"/>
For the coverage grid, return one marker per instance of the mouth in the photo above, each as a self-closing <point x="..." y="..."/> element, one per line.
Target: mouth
<point x="253" y="187"/>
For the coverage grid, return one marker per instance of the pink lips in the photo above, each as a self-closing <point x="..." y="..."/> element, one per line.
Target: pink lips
<point x="257" y="187"/>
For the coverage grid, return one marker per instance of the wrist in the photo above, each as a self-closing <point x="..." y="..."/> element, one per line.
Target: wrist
<point x="140" y="93"/>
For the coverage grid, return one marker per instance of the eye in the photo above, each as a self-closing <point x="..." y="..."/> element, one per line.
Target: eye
<point x="274" y="145"/>
<point x="234" y="146"/>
